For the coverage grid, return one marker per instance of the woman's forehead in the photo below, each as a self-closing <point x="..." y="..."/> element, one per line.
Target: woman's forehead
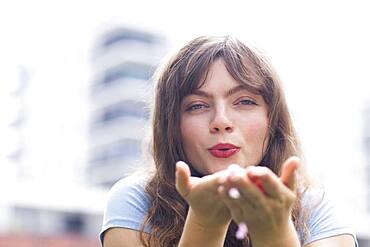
<point x="240" y="70"/>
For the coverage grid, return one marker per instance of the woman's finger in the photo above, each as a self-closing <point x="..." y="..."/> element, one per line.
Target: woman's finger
<point x="237" y="206"/>
<point x="248" y="192"/>
<point x="288" y="172"/>
<point x="265" y="180"/>
<point x="182" y="178"/>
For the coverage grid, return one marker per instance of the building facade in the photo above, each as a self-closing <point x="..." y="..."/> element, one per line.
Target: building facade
<point x="123" y="63"/>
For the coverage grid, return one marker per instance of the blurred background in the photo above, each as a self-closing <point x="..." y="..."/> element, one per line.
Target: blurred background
<point x="75" y="80"/>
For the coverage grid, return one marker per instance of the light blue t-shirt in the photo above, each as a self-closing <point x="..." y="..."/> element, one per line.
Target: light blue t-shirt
<point x="128" y="204"/>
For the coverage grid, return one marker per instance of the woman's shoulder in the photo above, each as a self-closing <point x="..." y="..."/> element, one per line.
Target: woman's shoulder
<point x="321" y="205"/>
<point x="128" y="189"/>
<point x="127" y="205"/>
<point x="312" y="197"/>
<point x="325" y="218"/>
<point x="133" y="181"/>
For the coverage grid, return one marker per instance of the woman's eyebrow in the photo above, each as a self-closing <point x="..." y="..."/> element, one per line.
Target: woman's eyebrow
<point x="201" y="93"/>
<point x="235" y="89"/>
<point x="228" y="93"/>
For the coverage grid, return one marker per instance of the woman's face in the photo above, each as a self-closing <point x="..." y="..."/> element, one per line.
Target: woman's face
<point x="223" y="123"/>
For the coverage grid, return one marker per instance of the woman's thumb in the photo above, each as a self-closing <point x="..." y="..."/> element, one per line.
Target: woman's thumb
<point x="182" y="178"/>
<point x="288" y="172"/>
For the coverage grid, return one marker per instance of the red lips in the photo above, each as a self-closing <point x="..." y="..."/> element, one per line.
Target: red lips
<point x="223" y="150"/>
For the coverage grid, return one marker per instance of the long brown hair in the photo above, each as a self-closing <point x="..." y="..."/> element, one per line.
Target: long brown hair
<point x="184" y="73"/>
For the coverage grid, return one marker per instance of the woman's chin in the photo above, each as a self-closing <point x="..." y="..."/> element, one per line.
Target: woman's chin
<point x="218" y="168"/>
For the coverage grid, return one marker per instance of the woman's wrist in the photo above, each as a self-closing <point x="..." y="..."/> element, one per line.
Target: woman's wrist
<point x="286" y="236"/>
<point x="202" y="233"/>
<point x="206" y="224"/>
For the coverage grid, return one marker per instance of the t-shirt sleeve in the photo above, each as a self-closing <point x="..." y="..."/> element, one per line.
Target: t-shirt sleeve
<point x="126" y="206"/>
<point x="325" y="220"/>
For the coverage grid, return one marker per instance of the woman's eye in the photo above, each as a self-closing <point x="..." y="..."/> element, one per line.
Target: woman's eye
<point x="196" y="107"/>
<point x="246" y="102"/>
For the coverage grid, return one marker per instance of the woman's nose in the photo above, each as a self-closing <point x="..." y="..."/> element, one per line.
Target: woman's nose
<point x="221" y="122"/>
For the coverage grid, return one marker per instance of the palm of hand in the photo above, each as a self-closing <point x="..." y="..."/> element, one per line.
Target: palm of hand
<point x="203" y="198"/>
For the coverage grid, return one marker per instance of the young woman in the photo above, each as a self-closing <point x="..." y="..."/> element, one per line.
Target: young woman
<point x="219" y="103"/>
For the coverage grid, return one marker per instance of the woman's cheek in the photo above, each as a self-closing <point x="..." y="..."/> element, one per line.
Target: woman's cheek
<point x="255" y="137"/>
<point x="257" y="127"/>
<point x="192" y="131"/>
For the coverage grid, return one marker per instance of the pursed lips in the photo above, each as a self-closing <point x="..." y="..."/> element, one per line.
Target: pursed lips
<point x="223" y="150"/>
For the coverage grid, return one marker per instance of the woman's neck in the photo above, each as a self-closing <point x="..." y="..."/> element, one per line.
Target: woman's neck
<point x="195" y="173"/>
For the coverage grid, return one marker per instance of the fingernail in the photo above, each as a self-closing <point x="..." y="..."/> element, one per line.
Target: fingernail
<point x="180" y="162"/>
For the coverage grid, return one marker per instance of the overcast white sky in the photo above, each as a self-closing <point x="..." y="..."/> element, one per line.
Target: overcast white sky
<point x="319" y="48"/>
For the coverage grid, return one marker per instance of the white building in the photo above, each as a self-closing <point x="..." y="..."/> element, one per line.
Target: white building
<point x="123" y="63"/>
